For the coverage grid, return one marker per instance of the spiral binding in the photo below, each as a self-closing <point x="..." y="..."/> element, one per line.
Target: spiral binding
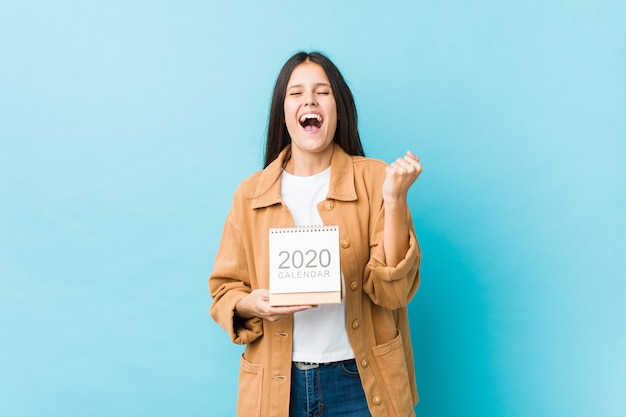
<point x="299" y="229"/>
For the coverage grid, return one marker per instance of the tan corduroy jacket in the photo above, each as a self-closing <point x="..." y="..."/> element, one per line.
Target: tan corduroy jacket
<point x="376" y="295"/>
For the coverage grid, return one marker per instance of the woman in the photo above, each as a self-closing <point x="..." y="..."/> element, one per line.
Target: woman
<point x="348" y="359"/>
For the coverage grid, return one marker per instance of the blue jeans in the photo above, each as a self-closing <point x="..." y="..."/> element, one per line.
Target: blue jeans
<point x="330" y="390"/>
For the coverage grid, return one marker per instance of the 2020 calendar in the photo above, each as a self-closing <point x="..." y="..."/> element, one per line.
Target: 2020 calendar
<point x="305" y="267"/>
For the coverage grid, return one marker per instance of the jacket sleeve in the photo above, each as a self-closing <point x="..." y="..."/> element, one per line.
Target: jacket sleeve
<point x="391" y="287"/>
<point x="230" y="282"/>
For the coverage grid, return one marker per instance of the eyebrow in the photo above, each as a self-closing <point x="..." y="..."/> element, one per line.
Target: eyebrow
<point x="300" y="85"/>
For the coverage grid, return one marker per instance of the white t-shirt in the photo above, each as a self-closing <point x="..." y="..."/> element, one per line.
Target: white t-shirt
<point x="319" y="334"/>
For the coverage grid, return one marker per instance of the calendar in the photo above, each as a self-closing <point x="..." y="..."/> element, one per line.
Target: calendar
<point x="305" y="267"/>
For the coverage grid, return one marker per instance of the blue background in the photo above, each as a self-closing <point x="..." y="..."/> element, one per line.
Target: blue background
<point x="125" y="126"/>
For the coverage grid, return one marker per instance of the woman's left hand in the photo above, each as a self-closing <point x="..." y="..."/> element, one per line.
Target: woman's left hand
<point x="400" y="175"/>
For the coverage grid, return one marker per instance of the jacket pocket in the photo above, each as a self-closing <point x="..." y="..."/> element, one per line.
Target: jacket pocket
<point x="250" y="389"/>
<point x="392" y="364"/>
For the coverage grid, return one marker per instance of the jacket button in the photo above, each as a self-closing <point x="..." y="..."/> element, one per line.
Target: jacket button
<point x="354" y="285"/>
<point x="356" y="324"/>
<point x="365" y="363"/>
<point x="377" y="400"/>
<point x="345" y="244"/>
<point x="329" y="205"/>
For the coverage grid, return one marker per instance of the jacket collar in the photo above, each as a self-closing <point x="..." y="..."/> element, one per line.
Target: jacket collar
<point x="341" y="186"/>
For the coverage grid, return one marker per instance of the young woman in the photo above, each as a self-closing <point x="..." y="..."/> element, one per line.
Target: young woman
<point x="348" y="359"/>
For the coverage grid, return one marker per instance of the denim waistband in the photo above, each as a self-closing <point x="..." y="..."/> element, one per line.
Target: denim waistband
<point x="303" y="366"/>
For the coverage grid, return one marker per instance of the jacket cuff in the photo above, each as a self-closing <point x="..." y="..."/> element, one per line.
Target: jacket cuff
<point x="241" y="331"/>
<point x="405" y="267"/>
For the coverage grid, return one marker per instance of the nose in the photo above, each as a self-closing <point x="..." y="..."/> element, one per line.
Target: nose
<point x="309" y="99"/>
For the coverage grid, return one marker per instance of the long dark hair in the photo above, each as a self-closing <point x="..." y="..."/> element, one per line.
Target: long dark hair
<point x="347" y="133"/>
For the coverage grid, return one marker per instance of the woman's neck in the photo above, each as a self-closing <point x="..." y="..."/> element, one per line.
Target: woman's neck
<point x="307" y="164"/>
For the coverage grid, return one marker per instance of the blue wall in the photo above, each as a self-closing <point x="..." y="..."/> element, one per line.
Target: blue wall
<point x="125" y="126"/>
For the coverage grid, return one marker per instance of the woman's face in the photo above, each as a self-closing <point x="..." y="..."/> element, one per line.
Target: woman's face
<point x="310" y="111"/>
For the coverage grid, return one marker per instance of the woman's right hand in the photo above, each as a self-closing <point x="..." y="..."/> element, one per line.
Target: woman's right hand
<point x="257" y="304"/>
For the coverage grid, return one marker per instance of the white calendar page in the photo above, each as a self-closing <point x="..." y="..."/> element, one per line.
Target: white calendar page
<point x="304" y="259"/>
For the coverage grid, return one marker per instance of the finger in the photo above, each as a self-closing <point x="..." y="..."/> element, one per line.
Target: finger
<point x="401" y="163"/>
<point x="413" y="164"/>
<point x="277" y="313"/>
<point x="412" y="155"/>
<point x="412" y="160"/>
<point x="291" y="309"/>
<point x="405" y="164"/>
<point x="262" y="292"/>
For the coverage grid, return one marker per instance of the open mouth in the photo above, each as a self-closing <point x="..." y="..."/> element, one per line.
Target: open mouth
<point x="311" y="122"/>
